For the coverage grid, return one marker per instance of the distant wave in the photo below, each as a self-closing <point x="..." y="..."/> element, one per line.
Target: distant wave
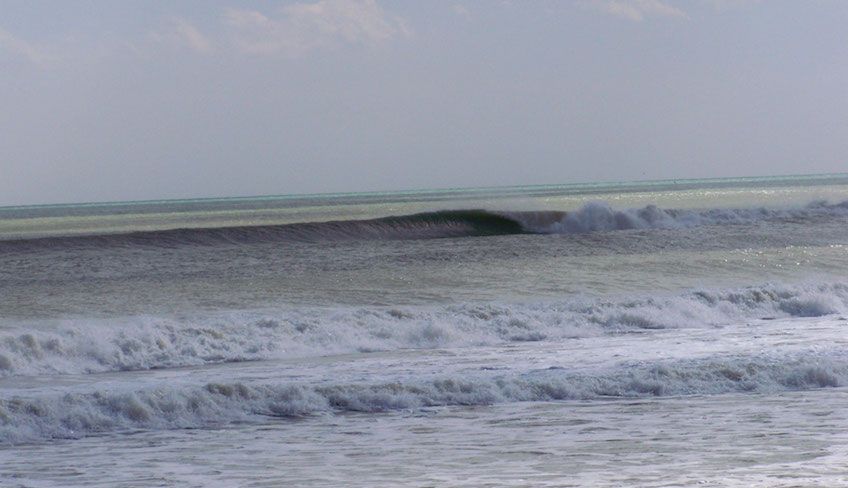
<point x="592" y="217"/>
<point x="136" y="343"/>
<point x="63" y="415"/>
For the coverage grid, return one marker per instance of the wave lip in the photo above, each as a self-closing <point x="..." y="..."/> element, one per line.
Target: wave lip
<point x="427" y="225"/>
<point x="138" y="343"/>
<point x="80" y="414"/>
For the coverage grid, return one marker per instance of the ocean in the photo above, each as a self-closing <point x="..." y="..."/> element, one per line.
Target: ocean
<point x="664" y="333"/>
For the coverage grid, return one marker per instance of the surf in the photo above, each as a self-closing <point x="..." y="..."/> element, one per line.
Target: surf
<point x="100" y="409"/>
<point x="90" y="345"/>
<point x="591" y="217"/>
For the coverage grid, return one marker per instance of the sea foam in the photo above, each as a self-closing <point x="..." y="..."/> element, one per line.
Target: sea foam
<point x="71" y="415"/>
<point x="74" y="346"/>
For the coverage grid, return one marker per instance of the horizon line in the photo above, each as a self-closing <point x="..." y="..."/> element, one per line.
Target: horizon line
<point x="282" y="196"/>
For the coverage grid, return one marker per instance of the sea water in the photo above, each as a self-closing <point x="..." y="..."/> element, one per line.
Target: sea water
<point x="633" y="334"/>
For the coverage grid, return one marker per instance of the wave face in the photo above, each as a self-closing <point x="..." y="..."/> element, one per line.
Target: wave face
<point x="447" y="223"/>
<point x="138" y="343"/>
<point x="592" y="217"/>
<point x="166" y="407"/>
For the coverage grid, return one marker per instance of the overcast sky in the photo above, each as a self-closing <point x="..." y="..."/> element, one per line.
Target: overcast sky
<point x="106" y="100"/>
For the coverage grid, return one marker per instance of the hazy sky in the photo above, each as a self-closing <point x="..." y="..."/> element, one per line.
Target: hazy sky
<point x="125" y="100"/>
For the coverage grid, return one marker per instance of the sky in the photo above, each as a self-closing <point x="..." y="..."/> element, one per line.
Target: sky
<point x="132" y="100"/>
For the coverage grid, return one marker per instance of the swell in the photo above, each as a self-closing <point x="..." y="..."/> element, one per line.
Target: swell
<point x="136" y="343"/>
<point x="74" y="415"/>
<point x="592" y="217"/>
<point x="428" y="225"/>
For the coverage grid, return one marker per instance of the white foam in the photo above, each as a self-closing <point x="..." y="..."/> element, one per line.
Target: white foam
<point x="62" y="414"/>
<point x="132" y="343"/>
<point x="600" y="216"/>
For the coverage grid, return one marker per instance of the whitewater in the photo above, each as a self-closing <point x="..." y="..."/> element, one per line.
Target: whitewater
<point x="632" y="334"/>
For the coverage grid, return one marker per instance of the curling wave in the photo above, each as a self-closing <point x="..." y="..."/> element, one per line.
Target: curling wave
<point x="592" y="217"/>
<point x="137" y="343"/>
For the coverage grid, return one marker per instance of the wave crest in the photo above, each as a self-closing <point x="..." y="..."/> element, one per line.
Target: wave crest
<point x="167" y="407"/>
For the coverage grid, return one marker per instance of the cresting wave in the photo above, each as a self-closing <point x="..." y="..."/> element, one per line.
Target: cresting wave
<point x="165" y="407"/>
<point x="137" y="343"/>
<point x="592" y="217"/>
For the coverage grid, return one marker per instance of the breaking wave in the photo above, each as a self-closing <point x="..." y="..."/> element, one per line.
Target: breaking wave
<point x="592" y="217"/>
<point x="599" y="216"/>
<point x="76" y="415"/>
<point x="136" y="343"/>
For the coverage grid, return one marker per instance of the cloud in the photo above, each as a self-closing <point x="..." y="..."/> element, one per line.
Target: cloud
<point x="460" y="10"/>
<point x="636" y="10"/>
<point x="303" y="27"/>
<point x="19" y="47"/>
<point x="192" y="37"/>
<point x="182" y="33"/>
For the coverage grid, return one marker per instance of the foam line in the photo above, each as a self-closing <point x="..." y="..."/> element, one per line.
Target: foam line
<point x="73" y="415"/>
<point x="134" y="343"/>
